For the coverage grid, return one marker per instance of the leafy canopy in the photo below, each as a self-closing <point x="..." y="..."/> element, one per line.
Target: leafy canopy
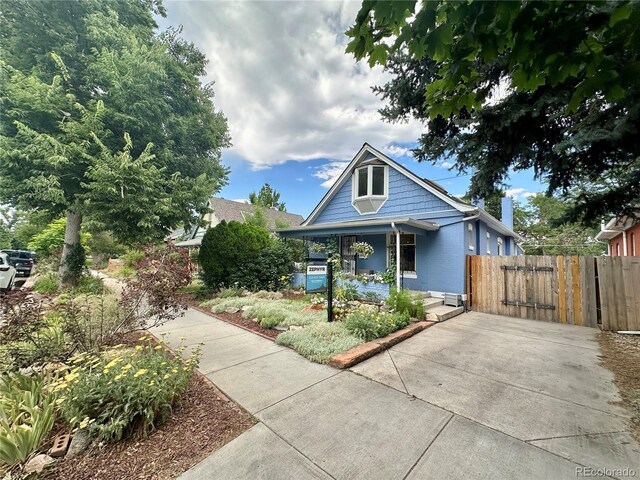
<point x="267" y="197"/>
<point x="103" y="116"/>
<point x="516" y="85"/>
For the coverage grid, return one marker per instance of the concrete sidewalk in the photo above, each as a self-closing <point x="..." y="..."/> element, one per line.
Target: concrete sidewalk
<point x="436" y="420"/>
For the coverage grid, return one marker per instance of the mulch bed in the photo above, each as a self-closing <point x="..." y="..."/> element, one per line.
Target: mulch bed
<point x="202" y="423"/>
<point x="621" y="355"/>
<point x="247" y="323"/>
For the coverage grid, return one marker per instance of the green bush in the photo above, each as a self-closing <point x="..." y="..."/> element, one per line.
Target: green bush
<point x="320" y="341"/>
<point x="46" y="284"/>
<point x="125" y="392"/>
<point x="197" y="290"/>
<point x="27" y="415"/>
<point x="230" y="292"/>
<point x="269" y="270"/>
<point x="228" y="246"/>
<point x="401" y="301"/>
<point x="132" y="258"/>
<point x="368" y="324"/>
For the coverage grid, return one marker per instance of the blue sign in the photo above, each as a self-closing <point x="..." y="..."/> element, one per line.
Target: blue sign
<point x="316" y="278"/>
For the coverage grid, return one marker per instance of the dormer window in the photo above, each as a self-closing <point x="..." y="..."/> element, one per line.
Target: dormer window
<point x="370" y="188"/>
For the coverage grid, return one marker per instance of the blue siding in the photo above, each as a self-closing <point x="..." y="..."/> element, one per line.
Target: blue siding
<point x="377" y="261"/>
<point x="405" y="198"/>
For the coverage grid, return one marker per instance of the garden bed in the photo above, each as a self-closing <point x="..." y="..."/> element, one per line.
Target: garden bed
<point x="202" y="422"/>
<point x="246" y="323"/>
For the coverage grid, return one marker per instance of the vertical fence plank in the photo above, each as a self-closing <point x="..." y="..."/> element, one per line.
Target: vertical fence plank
<point x="604" y="284"/>
<point x="562" y="291"/>
<point x="633" y="282"/>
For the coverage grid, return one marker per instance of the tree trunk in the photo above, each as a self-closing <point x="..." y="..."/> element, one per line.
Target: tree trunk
<point x="71" y="240"/>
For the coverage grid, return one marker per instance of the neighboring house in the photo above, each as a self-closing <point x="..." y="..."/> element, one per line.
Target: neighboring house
<point x="222" y="209"/>
<point x="409" y="221"/>
<point x="622" y="235"/>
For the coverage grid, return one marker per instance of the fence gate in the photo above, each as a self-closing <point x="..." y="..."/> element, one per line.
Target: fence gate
<point x="553" y="289"/>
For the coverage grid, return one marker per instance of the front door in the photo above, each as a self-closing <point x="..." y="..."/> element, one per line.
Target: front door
<point x="347" y="255"/>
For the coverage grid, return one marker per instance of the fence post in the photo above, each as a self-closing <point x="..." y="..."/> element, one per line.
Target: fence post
<point x="329" y="289"/>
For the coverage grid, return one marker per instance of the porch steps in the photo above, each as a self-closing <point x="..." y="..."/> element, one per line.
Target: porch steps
<point x="440" y="313"/>
<point x="430" y="302"/>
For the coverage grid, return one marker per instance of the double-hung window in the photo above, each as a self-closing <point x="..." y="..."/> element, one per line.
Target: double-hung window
<point x="369" y="188"/>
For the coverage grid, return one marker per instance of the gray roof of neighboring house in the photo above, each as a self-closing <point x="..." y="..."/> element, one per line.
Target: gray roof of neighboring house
<point x="229" y="210"/>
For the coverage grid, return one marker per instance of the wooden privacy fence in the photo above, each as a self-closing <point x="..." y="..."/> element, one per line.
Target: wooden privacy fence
<point x="588" y="291"/>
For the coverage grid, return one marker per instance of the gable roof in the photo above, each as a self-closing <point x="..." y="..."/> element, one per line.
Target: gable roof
<point x="229" y="210"/>
<point x="366" y="150"/>
<point x="429" y="185"/>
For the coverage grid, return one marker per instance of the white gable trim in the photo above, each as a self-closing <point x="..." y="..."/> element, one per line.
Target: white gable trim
<point x="366" y="148"/>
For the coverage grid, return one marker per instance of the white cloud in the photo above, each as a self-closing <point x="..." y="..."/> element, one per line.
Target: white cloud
<point x="528" y="194"/>
<point x="446" y="165"/>
<point x="396" y="151"/>
<point x="514" y="192"/>
<point x="285" y="83"/>
<point x="300" y="179"/>
<point x="330" y="172"/>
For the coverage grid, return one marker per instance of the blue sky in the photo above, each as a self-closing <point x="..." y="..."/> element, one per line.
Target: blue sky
<point x="298" y="107"/>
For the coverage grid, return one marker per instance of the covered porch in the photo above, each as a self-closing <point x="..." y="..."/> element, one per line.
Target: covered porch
<point x="396" y="244"/>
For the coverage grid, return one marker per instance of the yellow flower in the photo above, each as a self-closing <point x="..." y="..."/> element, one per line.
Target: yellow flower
<point x="174" y="370"/>
<point x="105" y="371"/>
<point x="118" y="377"/>
<point x="139" y="347"/>
<point x="127" y="367"/>
<point x="163" y="363"/>
<point x="142" y="371"/>
<point x="151" y="383"/>
<point x="142" y="339"/>
<point x="113" y="362"/>
<point x="157" y="347"/>
<point x="166" y="375"/>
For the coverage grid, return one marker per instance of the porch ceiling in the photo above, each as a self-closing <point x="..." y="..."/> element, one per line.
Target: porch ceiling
<point x="374" y="225"/>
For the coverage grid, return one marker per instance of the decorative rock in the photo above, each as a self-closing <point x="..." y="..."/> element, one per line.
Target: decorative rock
<point x="79" y="443"/>
<point x="295" y="327"/>
<point x="276" y="295"/>
<point x="354" y="303"/>
<point x="280" y="328"/>
<point x="246" y="307"/>
<point x="232" y="310"/>
<point x="38" y="463"/>
<point x="255" y="320"/>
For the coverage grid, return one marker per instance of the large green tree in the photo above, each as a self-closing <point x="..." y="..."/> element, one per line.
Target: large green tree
<point x="539" y="221"/>
<point x="267" y="197"/>
<point x="507" y="86"/>
<point x="103" y="118"/>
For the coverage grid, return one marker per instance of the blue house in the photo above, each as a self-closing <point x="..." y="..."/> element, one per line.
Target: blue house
<point x="410" y="222"/>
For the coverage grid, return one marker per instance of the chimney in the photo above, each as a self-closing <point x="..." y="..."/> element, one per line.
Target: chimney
<point x="480" y="203"/>
<point x="507" y="211"/>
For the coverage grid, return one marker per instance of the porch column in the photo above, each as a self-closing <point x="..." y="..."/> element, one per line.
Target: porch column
<point x="397" y="255"/>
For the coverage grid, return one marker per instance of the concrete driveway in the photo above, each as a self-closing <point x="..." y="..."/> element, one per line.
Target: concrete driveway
<point x="476" y="397"/>
<point x="518" y="389"/>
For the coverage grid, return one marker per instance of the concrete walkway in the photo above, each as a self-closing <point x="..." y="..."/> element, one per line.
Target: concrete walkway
<point x="475" y="397"/>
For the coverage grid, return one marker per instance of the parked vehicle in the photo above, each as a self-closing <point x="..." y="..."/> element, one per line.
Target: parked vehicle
<point x="22" y="260"/>
<point x="7" y="273"/>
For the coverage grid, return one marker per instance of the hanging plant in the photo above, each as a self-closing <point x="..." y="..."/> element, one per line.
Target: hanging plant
<point x="362" y="249"/>
<point x="317" y="247"/>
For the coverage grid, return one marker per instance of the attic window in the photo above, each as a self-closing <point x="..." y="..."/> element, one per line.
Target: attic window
<point x="370" y="188"/>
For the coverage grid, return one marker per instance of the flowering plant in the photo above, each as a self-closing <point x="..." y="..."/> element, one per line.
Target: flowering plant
<point x="124" y="391"/>
<point x="362" y="249"/>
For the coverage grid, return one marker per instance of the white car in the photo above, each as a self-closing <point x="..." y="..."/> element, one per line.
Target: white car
<point x="7" y="273"/>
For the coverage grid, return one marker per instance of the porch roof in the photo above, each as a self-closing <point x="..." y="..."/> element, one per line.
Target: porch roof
<point x="369" y="226"/>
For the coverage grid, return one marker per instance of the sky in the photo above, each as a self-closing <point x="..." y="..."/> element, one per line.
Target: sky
<point x="298" y="107"/>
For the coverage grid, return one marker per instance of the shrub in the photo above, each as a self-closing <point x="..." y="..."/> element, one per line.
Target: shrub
<point x="402" y="301"/>
<point x="197" y="290"/>
<point x="227" y="246"/>
<point x="27" y="414"/>
<point x="132" y="258"/>
<point x="125" y="392"/>
<point x="230" y="292"/>
<point x="320" y="341"/>
<point x="153" y="297"/>
<point x="269" y="270"/>
<point x="369" y="324"/>
<point x="89" y="285"/>
<point x="46" y="284"/>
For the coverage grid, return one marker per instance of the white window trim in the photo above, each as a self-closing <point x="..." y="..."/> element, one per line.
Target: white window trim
<point x="500" y="246"/>
<point x="470" y="236"/>
<point x="488" y="243"/>
<point x="406" y="274"/>
<point x="382" y="199"/>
